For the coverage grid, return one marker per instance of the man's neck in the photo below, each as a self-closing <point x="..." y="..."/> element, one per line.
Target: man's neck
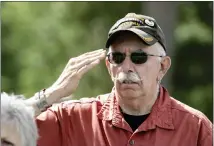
<point x="141" y="106"/>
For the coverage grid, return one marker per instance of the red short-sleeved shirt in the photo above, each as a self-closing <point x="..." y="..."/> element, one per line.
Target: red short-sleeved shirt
<point x="98" y="122"/>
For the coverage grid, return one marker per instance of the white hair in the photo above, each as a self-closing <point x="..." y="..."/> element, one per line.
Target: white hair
<point x="15" y="112"/>
<point x="160" y="50"/>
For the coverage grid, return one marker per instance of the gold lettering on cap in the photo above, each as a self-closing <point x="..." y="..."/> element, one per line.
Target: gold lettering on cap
<point x="149" y="39"/>
<point x="129" y="24"/>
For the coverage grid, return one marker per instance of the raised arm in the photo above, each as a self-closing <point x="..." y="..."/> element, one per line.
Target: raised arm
<point x="67" y="82"/>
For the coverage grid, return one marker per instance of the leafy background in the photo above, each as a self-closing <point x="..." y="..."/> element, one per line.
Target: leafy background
<point x="38" y="38"/>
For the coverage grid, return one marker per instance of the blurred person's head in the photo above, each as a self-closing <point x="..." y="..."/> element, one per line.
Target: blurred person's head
<point x="136" y="58"/>
<point x="18" y="127"/>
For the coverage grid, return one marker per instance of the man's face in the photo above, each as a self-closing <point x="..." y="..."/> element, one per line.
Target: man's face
<point x="145" y="74"/>
<point x="10" y="136"/>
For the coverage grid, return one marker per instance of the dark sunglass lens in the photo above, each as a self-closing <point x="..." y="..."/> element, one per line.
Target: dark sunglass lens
<point x="116" y="57"/>
<point x="138" y="57"/>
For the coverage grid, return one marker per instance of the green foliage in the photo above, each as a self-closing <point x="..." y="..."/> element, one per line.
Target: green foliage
<point x="193" y="72"/>
<point x="38" y="38"/>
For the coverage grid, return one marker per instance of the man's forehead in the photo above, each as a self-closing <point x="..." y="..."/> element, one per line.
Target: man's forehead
<point x="131" y="45"/>
<point x="131" y="48"/>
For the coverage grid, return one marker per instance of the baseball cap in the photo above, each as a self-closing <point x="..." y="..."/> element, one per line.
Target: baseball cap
<point x="143" y="26"/>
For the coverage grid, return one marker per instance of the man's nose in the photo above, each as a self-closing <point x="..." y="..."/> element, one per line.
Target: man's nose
<point x="127" y="64"/>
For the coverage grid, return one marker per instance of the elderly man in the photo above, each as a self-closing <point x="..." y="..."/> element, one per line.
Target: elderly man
<point x="138" y="111"/>
<point x="18" y="127"/>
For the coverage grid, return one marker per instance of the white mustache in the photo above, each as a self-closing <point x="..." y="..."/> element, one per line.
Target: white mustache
<point x="128" y="77"/>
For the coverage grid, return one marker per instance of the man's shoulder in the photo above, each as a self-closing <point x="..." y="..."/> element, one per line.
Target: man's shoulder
<point x="187" y="111"/>
<point x="83" y="105"/>
<point x="84" y="101"/>
<point x="182" y="107"/>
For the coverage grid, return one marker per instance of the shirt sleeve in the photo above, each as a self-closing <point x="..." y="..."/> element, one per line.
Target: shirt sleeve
<point x="205" y="137"/>
<point x="60" y="123"/>
<point x="50" y="127"/>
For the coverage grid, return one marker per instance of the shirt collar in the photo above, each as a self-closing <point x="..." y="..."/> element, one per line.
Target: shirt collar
<point x="160" y="116"/>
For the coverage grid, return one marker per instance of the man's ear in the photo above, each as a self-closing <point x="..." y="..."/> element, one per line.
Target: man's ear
<point x="165" y="65"/>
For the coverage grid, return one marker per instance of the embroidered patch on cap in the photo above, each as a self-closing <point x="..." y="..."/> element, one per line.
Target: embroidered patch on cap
<point x="149" y="22"/>
<point x="149" y="39"/>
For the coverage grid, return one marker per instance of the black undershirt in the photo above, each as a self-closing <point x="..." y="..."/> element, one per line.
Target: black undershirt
<point x="134" y="121"/>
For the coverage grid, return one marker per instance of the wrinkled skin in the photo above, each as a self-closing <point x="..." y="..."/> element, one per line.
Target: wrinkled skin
<point x="137" y="98"/>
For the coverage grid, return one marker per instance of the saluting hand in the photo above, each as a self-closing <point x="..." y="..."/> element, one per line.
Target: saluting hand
<point x="69" y="79"/>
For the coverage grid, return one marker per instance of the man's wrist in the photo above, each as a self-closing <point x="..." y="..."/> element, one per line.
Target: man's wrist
<point x="41" y="101"/>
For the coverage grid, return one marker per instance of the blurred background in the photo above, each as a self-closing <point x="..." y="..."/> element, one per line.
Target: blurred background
<point x="38" y="39"/>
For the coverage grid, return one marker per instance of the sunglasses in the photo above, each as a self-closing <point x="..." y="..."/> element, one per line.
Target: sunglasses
<point x="138" y="57"/>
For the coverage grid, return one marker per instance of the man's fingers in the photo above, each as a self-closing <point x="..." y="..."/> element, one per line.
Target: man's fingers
<point x="85" y="56"/>
<point x="91" y="55"/>
<point x="86" y="61"/>
<point x="86" y="68"/>
<point x="92" y="52"/>
<point x="91" y="60"/>
<point x="80" y="62"/>
<point x="95" y="54"/>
